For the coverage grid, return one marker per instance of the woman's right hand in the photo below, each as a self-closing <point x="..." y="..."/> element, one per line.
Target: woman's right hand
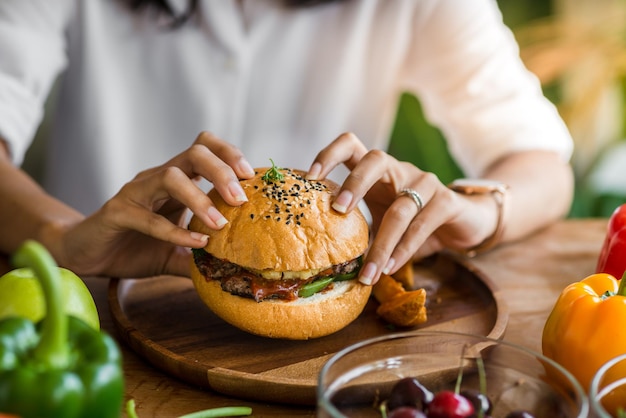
<point x="140" y="231"/>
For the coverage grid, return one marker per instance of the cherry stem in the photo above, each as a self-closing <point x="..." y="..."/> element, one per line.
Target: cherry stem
<point x="459" y="378"/>
<point x="482" y="381"/>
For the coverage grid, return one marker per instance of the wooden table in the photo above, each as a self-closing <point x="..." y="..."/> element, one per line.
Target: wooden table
<point x="530" y="274"/>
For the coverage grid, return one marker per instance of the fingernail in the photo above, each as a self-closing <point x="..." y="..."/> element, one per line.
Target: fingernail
<point x="217" y="217"/>
<point x="366" y="275"/>
<point x="389" y="266"/>
<point x="244" y="167"/>
<point x="237" y="192"/>
<point x="314" y="172"/>
<point x="342" y="201"/>
<point x="199" y="237"/>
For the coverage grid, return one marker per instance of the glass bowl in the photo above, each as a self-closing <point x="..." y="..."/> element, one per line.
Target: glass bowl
<point x="355" y="381"/>
<point x="607" y="391"/>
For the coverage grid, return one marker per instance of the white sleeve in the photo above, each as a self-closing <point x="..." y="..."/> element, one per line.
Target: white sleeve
<point x="32" y="54"/>
<point x="465" y="68"/>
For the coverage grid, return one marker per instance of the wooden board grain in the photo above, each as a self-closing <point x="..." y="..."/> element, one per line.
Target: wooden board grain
<point x="165" y="322"/>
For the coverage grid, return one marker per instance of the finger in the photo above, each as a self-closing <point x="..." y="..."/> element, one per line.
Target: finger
<point x="217" y="161"/>
<point x="399" y="230"/>
<point x="179" y="188"/>
<point x="172" y="183"/>
<point x="378" y="260"/>
<point x="179" y="263"/>
<point x="136" y="217"/>
<point x="228" y="153"/>
<point x="375" y="167"/>
<point x="346" y="149"/>
<point x="198" y="160"/>
<point x="431" y="246"/>
<point x="421" y="230"/>
<point x="173" y="210"/>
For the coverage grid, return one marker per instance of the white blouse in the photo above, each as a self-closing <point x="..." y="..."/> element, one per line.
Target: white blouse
<point x="278" y="83"/>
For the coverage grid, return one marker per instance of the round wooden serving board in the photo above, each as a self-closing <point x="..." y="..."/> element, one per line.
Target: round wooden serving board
<point x="165" y="322"/>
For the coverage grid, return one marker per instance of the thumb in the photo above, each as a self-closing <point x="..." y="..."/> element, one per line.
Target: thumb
<point x="179" y="264"/>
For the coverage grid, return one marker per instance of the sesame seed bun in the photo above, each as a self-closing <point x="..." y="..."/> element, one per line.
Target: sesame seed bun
<point x="286" y="230"/>
<point x="286" y="226"/>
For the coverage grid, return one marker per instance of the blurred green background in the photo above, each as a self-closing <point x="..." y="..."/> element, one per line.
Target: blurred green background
<point x="577" y="48"/>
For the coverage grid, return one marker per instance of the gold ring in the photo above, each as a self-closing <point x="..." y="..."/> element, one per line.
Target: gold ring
<point x="413" y="195"/>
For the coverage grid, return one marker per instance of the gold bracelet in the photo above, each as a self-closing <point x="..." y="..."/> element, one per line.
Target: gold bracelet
<point x="498" y="191"/>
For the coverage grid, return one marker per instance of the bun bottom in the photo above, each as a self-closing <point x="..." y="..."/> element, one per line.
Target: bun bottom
<point x="313" y="317"/>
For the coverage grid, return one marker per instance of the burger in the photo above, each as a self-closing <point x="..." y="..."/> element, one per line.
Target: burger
<point x="285" y="265"/>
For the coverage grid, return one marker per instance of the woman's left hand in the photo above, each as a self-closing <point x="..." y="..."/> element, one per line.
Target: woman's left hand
<point x="403" y="227"/>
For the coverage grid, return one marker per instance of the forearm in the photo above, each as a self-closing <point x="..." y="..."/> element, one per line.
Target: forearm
<point x="540" y="190"/>
<point x="27" y="211"/>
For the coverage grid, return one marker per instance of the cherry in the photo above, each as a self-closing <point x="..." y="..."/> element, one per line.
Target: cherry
<point x="447" y="404"/>
<point x="406" y="412"/>
<point x="409" y="392"/>
<point x="479" y="400"/>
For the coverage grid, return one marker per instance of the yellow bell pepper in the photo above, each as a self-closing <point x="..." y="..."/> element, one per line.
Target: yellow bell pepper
<point x="587" y="326"/>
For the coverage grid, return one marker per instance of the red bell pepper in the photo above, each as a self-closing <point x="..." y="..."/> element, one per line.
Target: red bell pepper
<point x="612" y="259"/>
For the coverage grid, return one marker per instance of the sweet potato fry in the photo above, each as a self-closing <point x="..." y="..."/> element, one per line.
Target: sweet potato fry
<point x="405" y="275"/>
<point x="386" y="288"/>
<point x="405" y="309"/>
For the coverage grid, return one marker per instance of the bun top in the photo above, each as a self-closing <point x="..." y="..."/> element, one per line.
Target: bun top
<point x="286" y="225"/>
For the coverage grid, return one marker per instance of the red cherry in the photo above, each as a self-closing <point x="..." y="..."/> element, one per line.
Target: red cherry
<point x="447" y="404"/>
<point x="409" y="392"/>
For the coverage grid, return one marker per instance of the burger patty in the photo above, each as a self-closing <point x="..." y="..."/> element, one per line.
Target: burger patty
<point x="239" y="281"/>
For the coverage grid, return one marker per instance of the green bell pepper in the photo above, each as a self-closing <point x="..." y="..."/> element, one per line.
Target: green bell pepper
<point x="322" y="283"/>
<point x="314" y="287"/>
<point x="60" y="367"/>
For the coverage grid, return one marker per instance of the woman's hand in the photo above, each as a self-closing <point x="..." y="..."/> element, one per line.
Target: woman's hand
<point x="401" y="230"/>
<point x="140" y="231"/>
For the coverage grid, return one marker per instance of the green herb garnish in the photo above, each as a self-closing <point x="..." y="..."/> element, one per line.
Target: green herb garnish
<point x="226" y="411"/>
<point x="273" y="174"/>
